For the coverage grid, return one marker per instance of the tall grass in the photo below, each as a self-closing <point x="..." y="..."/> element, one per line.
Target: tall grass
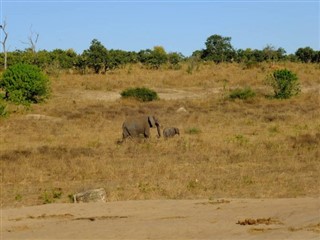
<point x="258" y="148"/>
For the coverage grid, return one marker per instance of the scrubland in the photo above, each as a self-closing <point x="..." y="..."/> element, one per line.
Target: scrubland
<point x="256" y="148"/>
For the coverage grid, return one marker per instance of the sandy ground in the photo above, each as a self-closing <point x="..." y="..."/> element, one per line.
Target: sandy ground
<point x="297" y="218"/>
<point x="163" y="93"/>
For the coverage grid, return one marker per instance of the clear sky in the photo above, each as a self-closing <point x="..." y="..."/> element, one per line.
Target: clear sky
<point x="178" y="26"/>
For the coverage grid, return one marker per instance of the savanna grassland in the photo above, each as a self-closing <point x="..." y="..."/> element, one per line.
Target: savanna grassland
<point x="256" y="148"/>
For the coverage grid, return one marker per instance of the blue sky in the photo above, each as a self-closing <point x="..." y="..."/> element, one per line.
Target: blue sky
<point x="178" y="26"/>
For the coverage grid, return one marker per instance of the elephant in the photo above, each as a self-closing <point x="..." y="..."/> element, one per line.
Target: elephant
<point x="136" y="126"/>
<point x="170" y="132"/>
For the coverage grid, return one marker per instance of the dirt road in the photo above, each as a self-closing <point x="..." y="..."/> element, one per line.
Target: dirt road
<point x="297" y="218"/>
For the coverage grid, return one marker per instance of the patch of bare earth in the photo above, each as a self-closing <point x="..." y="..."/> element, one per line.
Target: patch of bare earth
<point x="287" y="218"/>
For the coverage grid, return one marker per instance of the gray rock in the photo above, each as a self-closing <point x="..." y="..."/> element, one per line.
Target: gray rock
<point x="93" y="195"/>
<point x="181" y="110"/>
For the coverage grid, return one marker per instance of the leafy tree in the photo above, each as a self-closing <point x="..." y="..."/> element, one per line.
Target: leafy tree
<point x="292" y="58"/>
<point x="249" y="57"/>
<point x="258" y="55"/>
<point x="153" y="58"/>
<point x="96" y="56"/>
<point x="218" y="49"/>
<point x="41" y="59"/>
<point x="118" y="58"/>
<point x="81" y="63"/>
<point x="158" y="57"/>
<point x="174" y="59"/>
<point x="24" y="83"/>
<point x="316" y="57"/>
<point x="144" y="56"/>
<point x="270" y="53"/>
<point x="65" y="58"/>
<point x="197" y="54"/>
<point x="305" y="54"/>
<point x="281" y="54"/>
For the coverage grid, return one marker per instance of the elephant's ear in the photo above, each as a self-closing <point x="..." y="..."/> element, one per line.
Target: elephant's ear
<point x="151" y="121"/>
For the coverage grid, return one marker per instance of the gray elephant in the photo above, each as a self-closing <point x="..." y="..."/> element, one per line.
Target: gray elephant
<point x="170" y="132"/>
<point x="134" y="127"/>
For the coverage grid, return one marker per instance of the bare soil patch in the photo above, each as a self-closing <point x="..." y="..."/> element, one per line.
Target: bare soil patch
<point x="167" y="219"/>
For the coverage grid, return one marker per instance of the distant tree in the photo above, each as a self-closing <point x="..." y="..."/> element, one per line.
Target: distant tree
<point x="281" y="53"/>
<point x="305" y="54"/>
<point x="118" y="58"/>
<point x="218" y="49"/>
<point x="153" y="58"/>
<point x="174" y="59"/>
<point x="65" y="58"/>
<point x="144" y="56"/>
<point x="271" y="54"/>
<point x="32" y="40"/>
<point x="159" y="57"/>
<point x="14" y="57"/>
<point x="246" y="55"/>
<point x="96" y="56"/>
<point x="198" y="54"/>
<point x="3" y="42"/>
<point x="316" y="57"/>
<point x="42" y="60"/>
<point x="81" y="63"/>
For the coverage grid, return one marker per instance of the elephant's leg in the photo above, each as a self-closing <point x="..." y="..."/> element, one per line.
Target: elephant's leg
<point x="147" y="133"/>
<point x="125" y="133"/>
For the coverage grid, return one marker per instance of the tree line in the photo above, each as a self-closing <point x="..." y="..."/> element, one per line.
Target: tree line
<point x="98" y="59"/>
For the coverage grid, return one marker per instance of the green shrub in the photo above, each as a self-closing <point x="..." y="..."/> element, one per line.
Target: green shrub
<point x="24" y="84"/>
<point x="285" y="83"/>
<point x="49" y="196"/>
<point x="244" y="93"/>
<point x="142" y="94"/>
<point x="3" y="109"/>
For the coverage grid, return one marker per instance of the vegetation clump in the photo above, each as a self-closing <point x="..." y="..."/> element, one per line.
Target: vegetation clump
<point x="24" y="84"/>
<point x="3" y="109"/>
<point x="142" y="94"/>
<point x="284" y="82"/>
<point x="242" y="93"/>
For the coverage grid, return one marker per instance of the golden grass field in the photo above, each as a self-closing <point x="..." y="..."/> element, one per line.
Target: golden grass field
<point x="259" y="148"/>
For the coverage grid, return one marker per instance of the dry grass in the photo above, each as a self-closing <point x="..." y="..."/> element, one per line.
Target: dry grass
<point x="256" y="148"/>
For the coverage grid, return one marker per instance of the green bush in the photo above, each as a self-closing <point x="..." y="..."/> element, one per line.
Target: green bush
<point x="285" y="83"/>
<point x="24" y="84"/>
<point x="3" y="109"/>
<point x="244" y="93"/>
<point x="142" y="94"/>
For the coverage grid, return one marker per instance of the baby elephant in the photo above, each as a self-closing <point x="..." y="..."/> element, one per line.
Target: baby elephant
<point x="170" y="132"/>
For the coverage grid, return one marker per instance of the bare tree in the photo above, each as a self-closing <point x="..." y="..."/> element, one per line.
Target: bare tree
<point x="3" y="42"/>
<point x="32" y="40"/>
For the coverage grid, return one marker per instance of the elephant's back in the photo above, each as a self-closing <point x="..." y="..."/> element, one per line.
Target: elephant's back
<point x="130" y="120"/>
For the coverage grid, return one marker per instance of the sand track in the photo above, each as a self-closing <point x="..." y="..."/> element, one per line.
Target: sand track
<point x="297" y="218"/>
<point x="164" y="93"/>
